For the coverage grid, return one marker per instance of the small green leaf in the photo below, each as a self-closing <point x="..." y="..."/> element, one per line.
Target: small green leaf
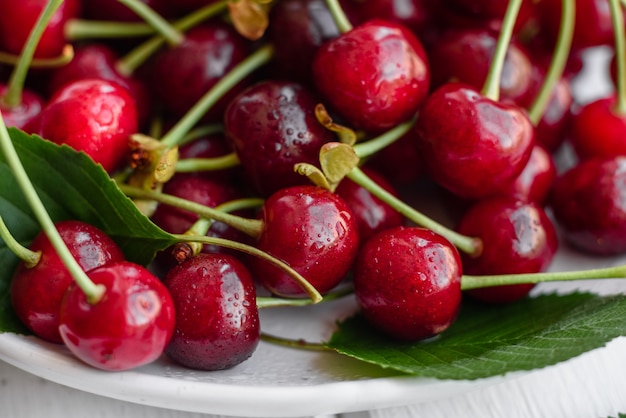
<point x="71" y="186"/>
<point x="493" y="340"/>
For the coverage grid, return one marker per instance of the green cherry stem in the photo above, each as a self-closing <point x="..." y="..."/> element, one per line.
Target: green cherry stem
<point x="92" y="291"/>
<point x="170" y="34"/>
<point x="86" y="29"/>
<point x="491" y="88"/>
<point x="67" y="54"/>
<point x="339" y="16"/>
<point x="191" y="165"/>
<point x="372" y="146"/>
<point x="200" y="131"/>
<point x="474" y="282"/>
<point x="246" y="67"/>
<point x="557" y="63"/>
<point x="276" y="302"/>
<point x="13" y="95"/>
<point x="299" y="343"/>
<point x="137" y="56"/>
<point x="620" y="53"/>
<point x="469" y="245"/>
<point x="29" y="258"/>
<point x="313" y="294"/>
<point x="250" y="227"/>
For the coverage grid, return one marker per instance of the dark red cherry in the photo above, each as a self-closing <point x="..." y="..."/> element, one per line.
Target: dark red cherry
<point x="311" y="229"/>
<point x="210" y="146"/>
<point x="26" y="112"/>
<point x="489" y="13"/>
<point x="272" y="126"/>
<point x="96" y="116"/>
<point x="465" y="56"/>
<point x="518" y="237"/>
<point x="588" y="203"/>
<point x="37" y="292"/>
<point x="372" y="214"/>
<point x="179" y="76"/>
<point x="217" y="320"/>
<point x="17" y="22"/>
<point x="471" y="145"/>
<point x="597" y="129"/>
<point x="128" y="327"/>
<point x="535" y="181"/>
<point x="407" y="283"/>
<point x="416" y="15"/>
<point x="374" y="76"/>
<point x="400" y="162"/>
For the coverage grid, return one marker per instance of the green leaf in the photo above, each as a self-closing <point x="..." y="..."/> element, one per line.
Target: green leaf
<point x="490" y="340"/>
<point x="71" y="186"/>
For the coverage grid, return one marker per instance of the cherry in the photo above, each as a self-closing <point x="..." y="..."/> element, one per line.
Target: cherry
<point x="96" y="116"/>
<point x="380" y="75"/>
<point x="472" y="145"/>
<point x="128" y="327"/>
<point x="518" y="237"/>
<point x="407" y="283"/>
<point x="311" y="229"/>
<point x="465" y="56"/>
<point x="180" y="75"/>
<point x="372" y="214"/>
<point x="588" y="203"/>
<point x="416" y="15"/>
<point x="37" y="291"/>
<point x="26" y="112"/>
<point x="17" y="22"/>
<point x="272" y="126"/>
<point x="217" y="320"/>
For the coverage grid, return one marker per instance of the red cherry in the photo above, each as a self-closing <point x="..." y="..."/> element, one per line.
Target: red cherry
<point x="217" y="320"/>
<point x="407" y="282"/>
<point x="37" y="292"/>
<point x="535" y="181"/>
<point x="311" y="229"/>
<point x="272" y="126"/>
<point x="17" y="22"/>
<point x="96" y="116"/>
<point x="471" y="145"/>
<point x="598" y="130"/>
<point x="588" y="203"/>
<point x="26" y="112"/>
<point x="375" y="76"/>
<point x="517" y="236"/>
<point x="128" y="327"/>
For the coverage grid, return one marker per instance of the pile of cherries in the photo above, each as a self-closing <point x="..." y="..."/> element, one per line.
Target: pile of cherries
<point x="298" y="131"/>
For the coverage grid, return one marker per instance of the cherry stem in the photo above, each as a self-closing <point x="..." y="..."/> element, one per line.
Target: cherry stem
<point x="242" y="70"/>
<point x="372" y="146"/>
<point x="201" y="131"/>
<point x="190" y="165"/>
<point x="171" y="35"/>
<point x="13" y="95"/>
<point x="29" y="258"/>
<point x="92" y="291"/>
<point x="275" y="302"/>
<point x="85" y="29"/>
<point x="339" y="16"/>
<point x="491" y="88"/>
<point x="299" y="343"/>
<point x="136" y="57"/>
<point x="250" y="227"/>
<point x="475" y="282"/>
<point x="557" y="63"/>
<point x="312" y="293"/>
<point x="620" y="53"/>
<point x="469" y="245"/>
<point x="67" y="54"/>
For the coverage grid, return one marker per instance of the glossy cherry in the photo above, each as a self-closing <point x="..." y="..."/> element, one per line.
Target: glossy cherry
<point x="588" y="203"/>
<point x="37" y="292"/>
<point x="374" y="76"/>
<point x="272" y="126"/>
<point x="535" y="181"/>
<point x="96" y="116"/>
<point x="26" y="112"/>
<point x="128" y="327"/>
<point x="518" y="237"/>
<point x="217" y="320"/>
<point x="471" y="145"/>
<point x="17" y="22"/>
<point x="313" y="231"/>
<point x="407" y="283"/>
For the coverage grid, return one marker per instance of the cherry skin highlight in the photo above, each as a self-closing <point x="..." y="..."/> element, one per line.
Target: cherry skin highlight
<point x="37" y="292"/>
<point x="407" y="283"/>
<point x="217" y="320"/>
<point x="128" y="327"/>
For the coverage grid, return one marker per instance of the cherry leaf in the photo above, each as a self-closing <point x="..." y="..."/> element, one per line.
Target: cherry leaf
<point x="491" y="340"/>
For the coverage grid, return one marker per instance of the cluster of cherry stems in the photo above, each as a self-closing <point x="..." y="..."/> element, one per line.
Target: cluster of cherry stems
<point x="274" y="140"/>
